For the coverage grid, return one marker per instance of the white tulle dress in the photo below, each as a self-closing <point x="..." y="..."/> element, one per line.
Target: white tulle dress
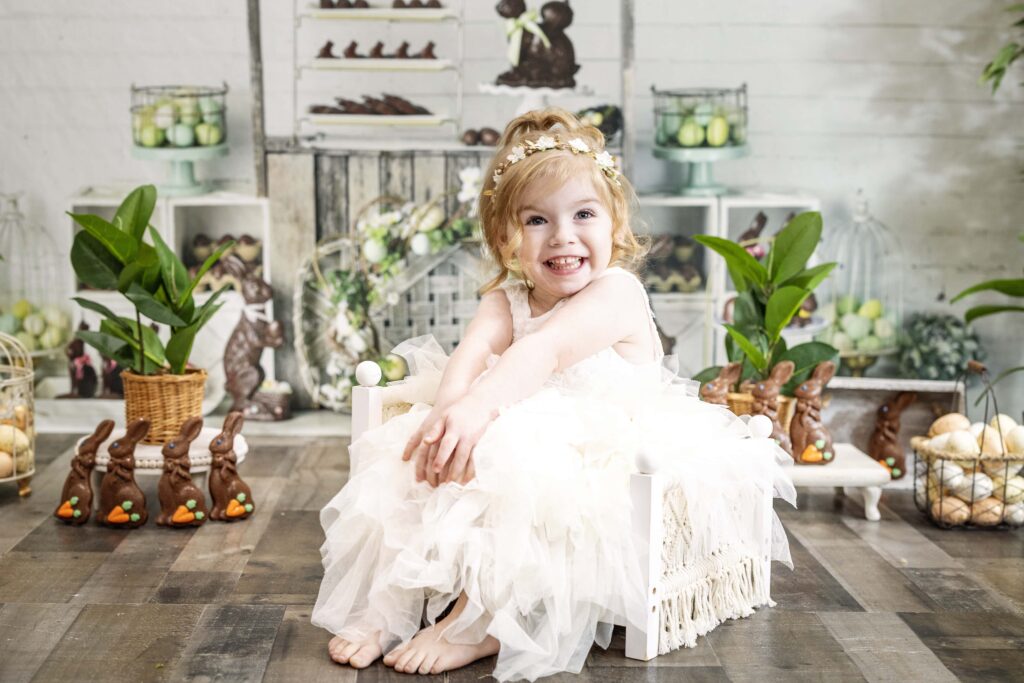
<point x="540" y="540"/>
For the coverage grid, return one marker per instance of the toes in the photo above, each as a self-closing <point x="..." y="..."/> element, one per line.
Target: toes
<point x="403" y="662"/>
<point x="416" y="662"/>
<point x="392" y="657"/>
<point x="336" y="647"/>
<point x="345" y="656"/>
<point x="428" y="664"/>
<point x="365" y="656"/>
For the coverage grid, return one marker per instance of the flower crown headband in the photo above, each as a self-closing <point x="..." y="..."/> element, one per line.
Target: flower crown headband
<point x="604" y="160"/>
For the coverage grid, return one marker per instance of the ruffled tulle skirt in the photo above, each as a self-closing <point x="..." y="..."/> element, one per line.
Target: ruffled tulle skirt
<point x="540" y="541"/>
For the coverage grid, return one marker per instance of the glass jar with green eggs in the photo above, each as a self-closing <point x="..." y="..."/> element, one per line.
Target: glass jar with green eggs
<point x="179" y="115"/>
<point x="700" y="117"/>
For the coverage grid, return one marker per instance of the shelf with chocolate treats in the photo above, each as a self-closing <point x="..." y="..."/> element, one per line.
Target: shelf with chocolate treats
<point x="387" y="110"/>
<point x="397" y="10"/>
<point x="377" y="59"/>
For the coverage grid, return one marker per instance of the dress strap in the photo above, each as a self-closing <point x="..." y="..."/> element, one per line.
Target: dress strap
<point x="519" y="304"/>
<point x="659" y="351"/>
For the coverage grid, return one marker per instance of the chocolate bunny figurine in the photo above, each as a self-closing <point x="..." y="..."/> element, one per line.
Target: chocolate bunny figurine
<point x="76" y="496"/>
<point x="717" y="390"/>
<point x="884" y="444"/>
<point x="547" y="60"/>
<point x="253" y="333"/>
<point x="122" y="503"/>
<point x="232" y="498"/>
<point x="766" y="401"/>
<point x="812" y="444"/>
<point x="181" y="502"/>
<point x="83" y="374"/>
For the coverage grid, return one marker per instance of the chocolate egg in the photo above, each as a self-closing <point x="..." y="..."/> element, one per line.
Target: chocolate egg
<point x="950" y="422"/>
<point x="975" y="486"/>
<point x="952" y="511"/>
<point x="987" y="512"/>
<point x="962" y="442"/>
<point x="489" y="137"/>
<point x="1009" y="490"/>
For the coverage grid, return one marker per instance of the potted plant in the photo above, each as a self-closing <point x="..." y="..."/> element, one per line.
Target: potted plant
<point x="769" y="295"/>
<point x="158" y="383"/>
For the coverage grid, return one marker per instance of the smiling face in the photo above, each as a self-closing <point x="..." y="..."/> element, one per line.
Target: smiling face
<point x="566" y="237"/>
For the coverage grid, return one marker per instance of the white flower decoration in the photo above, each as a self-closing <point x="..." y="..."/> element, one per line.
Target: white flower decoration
<point x="342" y="327"/>
<point x="496" y="177"/>
<point x="392" y="298"/>
<point x="544" y="142"/>
<point x="355" y="342"/>
<point x="472" y="180"/>
<point x="579" y="146"/>
<point x="605" y="160"/>
<point x="518" y="154"/>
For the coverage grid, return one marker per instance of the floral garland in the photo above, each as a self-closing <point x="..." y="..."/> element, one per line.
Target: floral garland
<point x="604" y="160"/>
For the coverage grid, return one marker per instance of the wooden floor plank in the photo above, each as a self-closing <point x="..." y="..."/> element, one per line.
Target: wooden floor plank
<point x="703" y="655"/>
<point x="230" y="643"/>
<point x="285" y="567"/>
<point x="28" y="633"/>
<point x="300" y="652"/>
<point x="962" y="543"/>
<point x="318" y="476"/>
<point x="975" y="647"/>
<point x="900" y="543"/>
<point x="808" y="587"/>
<point x="45" y="577"/>
<point x="121" y="643"/>
<point x="226" y="546"/>
<point x="196" y="587"/>
<point x="885" y="648"/>
<point x="955" y="590"/>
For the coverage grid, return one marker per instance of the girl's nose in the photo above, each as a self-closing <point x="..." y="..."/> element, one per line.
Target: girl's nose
<point x="562" y="232"/>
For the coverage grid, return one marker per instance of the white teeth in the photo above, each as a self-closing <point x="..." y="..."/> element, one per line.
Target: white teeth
<point x="565" y="262"/>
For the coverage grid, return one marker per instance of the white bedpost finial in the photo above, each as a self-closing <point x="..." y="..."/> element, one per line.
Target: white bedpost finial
<point x="648" y="461"/>
<point x="760" y="426"/>
<point x="368" y="374"/>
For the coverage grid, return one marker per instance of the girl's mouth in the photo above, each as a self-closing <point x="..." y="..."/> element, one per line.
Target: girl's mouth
<point x="565" y="265"/>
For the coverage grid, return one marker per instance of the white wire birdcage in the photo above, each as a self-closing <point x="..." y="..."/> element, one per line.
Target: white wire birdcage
<point x="17" y="414"/>
<point x="33" y="305"/>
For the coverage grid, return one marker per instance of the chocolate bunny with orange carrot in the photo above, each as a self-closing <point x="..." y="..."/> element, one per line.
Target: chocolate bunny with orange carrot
<point x="232" y="498"/>
<point x="766" y="400"/>
<point x="884" y="444"/>
<point x="812" y="443"/>
<point x="76" y="496"/>
<point x="122" y="503"/>
<point x="717" y="390"/>
<point x="181" y="502"/>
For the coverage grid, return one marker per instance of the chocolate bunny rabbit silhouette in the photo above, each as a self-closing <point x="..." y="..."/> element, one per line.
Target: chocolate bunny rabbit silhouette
<point x="122" y="502"/>
<point x="812" y="442"/>
<point x="232" y="497"/>
<point x="76" y="496"/>
<point x="181" y="502"/>
<point x="766" y="401"/>
<point x="539" y="61"/>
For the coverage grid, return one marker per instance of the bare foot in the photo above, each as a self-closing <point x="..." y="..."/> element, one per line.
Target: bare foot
<point x="429" y="653"/>
<point x="357" y="654"/>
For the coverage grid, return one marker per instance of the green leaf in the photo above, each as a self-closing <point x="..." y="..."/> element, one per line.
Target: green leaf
<point x="120" y="245"/>
<point x="93" y="264"/>
<point x="154" y="348"/>
<point x="810" y="277"/>
<point x="982" y="311"/>
<point x="746" y="312"/>
<point x="151" y="308"/>
<point x="753" y="353"/>
<point x="794" y="245"/>
<point x="742" y="266"/>
<point x="147" y="257"/>
<point x="99" y="308"/>
<point x="179" y="348"/>
<point x="782" y="306"/>
<point x="174" y="274"/>
<point x="806" y="357"/>
<point x="1009" y="287"/>
<point x="106" y="344"/>
<point x="207" y="264"/>
<point x="135" y="211"/>
<point x="707" y="374"/>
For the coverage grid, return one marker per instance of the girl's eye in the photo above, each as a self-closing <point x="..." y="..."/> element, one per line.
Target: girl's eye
<point x="534" y="220"/>
<point x="584" y="214"/>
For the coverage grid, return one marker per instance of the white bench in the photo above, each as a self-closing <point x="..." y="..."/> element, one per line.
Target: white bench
<point x="852" y="471"/>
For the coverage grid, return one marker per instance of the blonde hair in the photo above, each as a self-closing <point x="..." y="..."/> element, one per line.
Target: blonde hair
<point x="499" y="208"/>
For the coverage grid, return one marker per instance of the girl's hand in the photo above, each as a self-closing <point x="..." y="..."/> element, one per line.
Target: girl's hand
<point x="463" y="425"/>
<point x="418" y="449"/>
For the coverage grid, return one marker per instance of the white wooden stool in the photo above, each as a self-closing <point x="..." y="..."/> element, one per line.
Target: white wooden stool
<point x="852" y="470"/>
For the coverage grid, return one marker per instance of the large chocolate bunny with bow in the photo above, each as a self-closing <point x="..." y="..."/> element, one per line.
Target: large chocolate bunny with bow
<point x="253" y="333"/>
<point x="76" y="496"/>
<point x="766" y="401"/>
<point x="181" y="502"/>
<point x="232" y="497"/>
<point x="542" y="55"/>
<point x="122" y="502"/>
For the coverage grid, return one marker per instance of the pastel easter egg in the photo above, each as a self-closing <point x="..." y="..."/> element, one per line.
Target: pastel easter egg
<point x="987" y="512"/>
<point x="1009" y="490"/>
<point x="952" y="511"/>
<point x="950" y="422"/>
<point x="1014" y="514"/>
<point x="975" y="486"/>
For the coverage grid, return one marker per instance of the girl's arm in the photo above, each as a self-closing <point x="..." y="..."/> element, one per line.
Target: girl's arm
<point x="604" y="313"/>
<point x="489" y="332"/>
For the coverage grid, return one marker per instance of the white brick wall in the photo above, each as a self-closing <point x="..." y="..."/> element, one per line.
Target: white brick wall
<point x="843" y="94"/>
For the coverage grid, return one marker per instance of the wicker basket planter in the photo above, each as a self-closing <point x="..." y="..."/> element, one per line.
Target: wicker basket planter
<point x="165" y="400"/>
<point x="743" y="404"/>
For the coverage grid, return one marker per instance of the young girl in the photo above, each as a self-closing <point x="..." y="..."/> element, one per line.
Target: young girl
<point x="509" y="497"/>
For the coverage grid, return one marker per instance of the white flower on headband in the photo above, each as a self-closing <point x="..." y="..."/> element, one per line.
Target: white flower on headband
<point x="579" y="146"/>
<point x="496" y="177"/>
<point x="545" y="142"/>
<point x="518" y="154"/>
<point x="605" y="160"/>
